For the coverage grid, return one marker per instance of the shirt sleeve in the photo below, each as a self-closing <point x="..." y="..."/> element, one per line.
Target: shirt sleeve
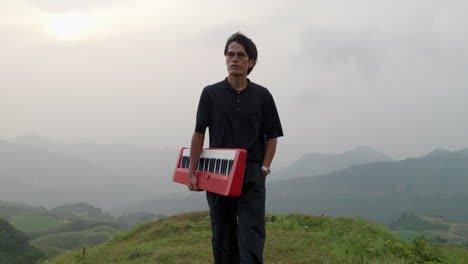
<point x="203" y="113"/>
<point x="272" y="123"/>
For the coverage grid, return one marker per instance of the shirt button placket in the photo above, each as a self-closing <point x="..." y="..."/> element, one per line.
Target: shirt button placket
<point x="237" y="100"/>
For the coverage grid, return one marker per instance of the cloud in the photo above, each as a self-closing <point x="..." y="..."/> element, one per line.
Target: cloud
<point x="69" y="6"/>
<point x="358" y="71"/>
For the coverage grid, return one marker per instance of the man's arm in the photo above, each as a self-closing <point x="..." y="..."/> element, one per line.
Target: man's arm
<point x="270" y="150"/>
<point x="195" y="152"/>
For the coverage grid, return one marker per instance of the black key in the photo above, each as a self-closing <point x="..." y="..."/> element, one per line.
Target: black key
<point x="202" y="163"/>
<point x="225" y="166"/>
<point x="221" y="166"/>
<point x="221" y="171"/>
<point x="182" y="165"/>
<point x="230" y="167"/>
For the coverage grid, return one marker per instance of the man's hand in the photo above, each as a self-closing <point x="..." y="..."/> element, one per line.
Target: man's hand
<point x="193" y="182"/>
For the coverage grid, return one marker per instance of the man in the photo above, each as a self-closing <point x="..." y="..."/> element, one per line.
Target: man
<point x="239" y="114"/>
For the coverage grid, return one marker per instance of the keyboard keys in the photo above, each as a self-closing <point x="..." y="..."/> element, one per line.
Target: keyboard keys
<point x="214" y="161"/>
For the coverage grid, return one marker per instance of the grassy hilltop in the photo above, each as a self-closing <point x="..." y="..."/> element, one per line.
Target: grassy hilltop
<point x="291" y="238"/>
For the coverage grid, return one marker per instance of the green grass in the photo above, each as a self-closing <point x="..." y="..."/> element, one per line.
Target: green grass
<point x="33" y="223"/>
<point x="291" y="239"/>
<point x="75" y="240"/>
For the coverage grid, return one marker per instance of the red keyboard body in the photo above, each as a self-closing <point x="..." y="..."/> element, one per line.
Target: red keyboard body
<point x="219" y="170"/>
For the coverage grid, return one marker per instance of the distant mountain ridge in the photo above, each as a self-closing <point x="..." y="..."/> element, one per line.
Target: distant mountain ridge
<point x="379" y="191"/>
<point x="313" y="164"/>
<point x="39" y="171"/>
<point x="429" y="185"/>
<point x="123" y="175"/>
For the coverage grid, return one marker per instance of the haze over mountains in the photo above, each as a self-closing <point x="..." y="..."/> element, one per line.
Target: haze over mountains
<point x="435" y="184"/>
<point x="126" y="178"/>
<point x="38" y="171"/>
<point x="313" y="164"/>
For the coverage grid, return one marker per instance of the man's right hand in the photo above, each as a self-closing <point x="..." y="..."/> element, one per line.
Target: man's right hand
<point x="193" y="182"/>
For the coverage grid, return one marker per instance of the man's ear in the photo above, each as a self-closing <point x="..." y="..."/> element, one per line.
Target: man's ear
<point x="251" y="63"/>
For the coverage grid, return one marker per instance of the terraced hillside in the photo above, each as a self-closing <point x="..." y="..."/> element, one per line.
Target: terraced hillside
<point x="293" y="238"/>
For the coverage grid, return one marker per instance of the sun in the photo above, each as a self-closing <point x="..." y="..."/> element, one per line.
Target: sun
<point x="69" y="26"/>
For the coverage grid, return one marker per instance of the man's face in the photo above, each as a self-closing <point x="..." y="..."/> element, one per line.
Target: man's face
<point x="237" y="60"/>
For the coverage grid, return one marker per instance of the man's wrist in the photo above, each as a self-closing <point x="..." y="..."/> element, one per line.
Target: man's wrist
<point x="266" y="170"/>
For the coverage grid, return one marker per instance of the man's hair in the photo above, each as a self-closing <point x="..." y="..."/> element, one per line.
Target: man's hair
<point x="248" y="45"/>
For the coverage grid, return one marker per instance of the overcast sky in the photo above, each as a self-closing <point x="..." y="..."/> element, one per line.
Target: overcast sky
<point x="388" y="74"/>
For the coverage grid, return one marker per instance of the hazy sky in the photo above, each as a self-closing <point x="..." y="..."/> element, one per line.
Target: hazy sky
<point x="389" y="74"/>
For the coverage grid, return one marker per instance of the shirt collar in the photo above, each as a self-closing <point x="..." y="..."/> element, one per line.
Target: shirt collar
<point x="230" y="88"/>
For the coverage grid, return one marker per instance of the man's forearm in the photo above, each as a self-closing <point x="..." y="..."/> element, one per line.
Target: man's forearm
<point x="270" y="150"/>
<point x="195" y="150"/>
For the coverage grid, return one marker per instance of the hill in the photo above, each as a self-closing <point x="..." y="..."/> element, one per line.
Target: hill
<point x="381" y="191"/>
<point x="313" y="164"/>
<point x="14" y="246"/>
<point x="39" y="171"/>
<point x="435" y="184"/>
<point x="291" y="238"/>
<point x="64" y="228"/>
<point x="436" y="229"/>
<point x="35" y="176"/>
<point x="10" y="209"/>
<point x="79" y="210"/>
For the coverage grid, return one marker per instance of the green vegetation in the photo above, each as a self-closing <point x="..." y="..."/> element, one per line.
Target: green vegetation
<point x="31" y="223"/>
<point x="75" y="240"/>
<point x="294" y="238"/>
<point x="430" y="185"/>
<point x="57" y="231"/>
<point x="75" y="226"/>
<point x="411" y="234"/>
<point x="14" y="246"/>
<point x="435" y="230"/>
<point x="79" y="211"/>
<point x="413" y="222"/>
<point x="9" y="209"/>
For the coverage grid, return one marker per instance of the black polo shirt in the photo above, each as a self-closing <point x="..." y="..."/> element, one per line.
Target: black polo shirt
<point x="238" y="119"/>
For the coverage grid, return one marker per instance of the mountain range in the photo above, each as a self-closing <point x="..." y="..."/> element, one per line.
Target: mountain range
<point x="435" y="184"/>
<point x="313" y="164"/>
<point x="130" y="179"/>
<point x="38" y="171"/>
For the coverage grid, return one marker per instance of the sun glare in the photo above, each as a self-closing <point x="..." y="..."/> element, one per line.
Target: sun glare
<point x="70" y="26"/>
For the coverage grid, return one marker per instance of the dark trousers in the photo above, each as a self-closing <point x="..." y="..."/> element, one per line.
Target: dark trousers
<point x="238" y="223"/>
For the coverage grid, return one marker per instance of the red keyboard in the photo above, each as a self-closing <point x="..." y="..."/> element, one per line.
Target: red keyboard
<point x="219" y="170"/>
